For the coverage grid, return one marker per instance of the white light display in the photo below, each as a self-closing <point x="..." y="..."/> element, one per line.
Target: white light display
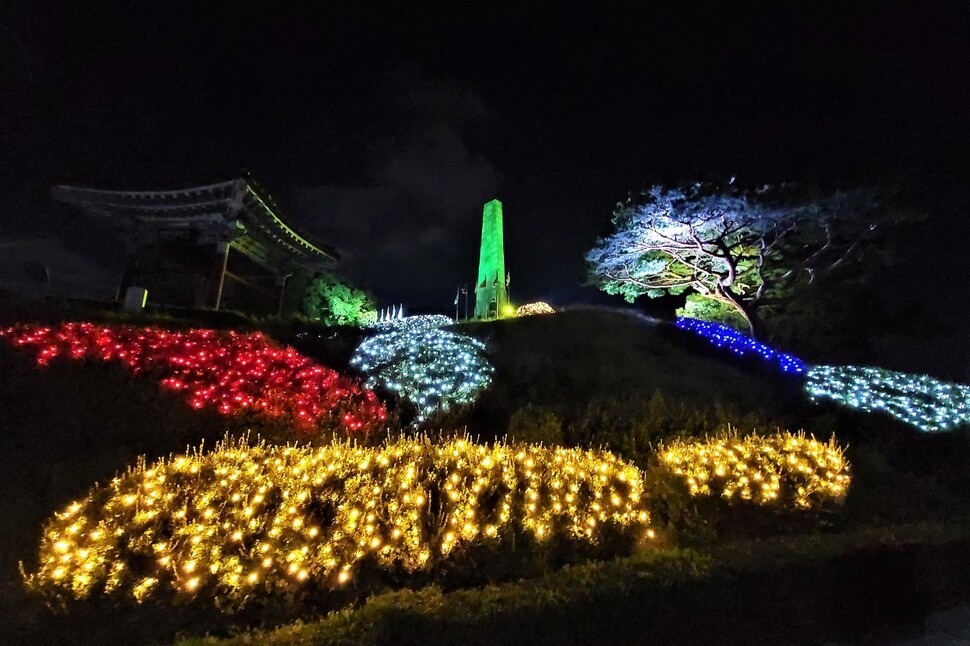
<point x="414" y="323"/>
<point x="919" y="400"/>
<point x="433" y="369"/>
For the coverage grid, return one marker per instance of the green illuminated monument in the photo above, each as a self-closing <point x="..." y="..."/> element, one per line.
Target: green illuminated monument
<point x="491" y="295"/>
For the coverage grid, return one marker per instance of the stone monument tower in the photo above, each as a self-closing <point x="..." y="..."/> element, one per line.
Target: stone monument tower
<point x="491" y="295"/>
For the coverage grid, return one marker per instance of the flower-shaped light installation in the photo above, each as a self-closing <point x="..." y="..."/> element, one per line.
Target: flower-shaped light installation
<point x="242" y="521"/>
<point x="781" y="469"/>
<point x="228" y="371"/>
<point x="919" y="400"/>
<point x="743" y="346"/>
<point x="531" y="309"/>
<point x="433" y="369"/>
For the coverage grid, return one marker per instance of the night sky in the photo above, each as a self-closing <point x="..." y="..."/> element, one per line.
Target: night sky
<point x="383" y="132"/>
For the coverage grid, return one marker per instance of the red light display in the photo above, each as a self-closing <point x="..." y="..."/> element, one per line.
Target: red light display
<point x="231" y="372"/>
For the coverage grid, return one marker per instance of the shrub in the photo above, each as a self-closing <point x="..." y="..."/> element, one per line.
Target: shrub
<point x="698" y="306"/>
<point x="918" y="400"/>
<point x="533" y="309"/>
<point x="432" y="369"/>
<point x="333" y="302"/>
<point x="229" y="372"/>
<point x="745" y="486"/>
<point x="416" y="323"/>
<point x="633" y="426"/>
<point x="253" y="521"/>
<point x="791" y="471"/>
<point x="535" y="425"/>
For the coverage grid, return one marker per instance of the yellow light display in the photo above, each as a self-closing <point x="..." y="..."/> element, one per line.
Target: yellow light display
<point x="242" y="520"/>
<point x="531" y="309"/>
<point x="775" y="469"/>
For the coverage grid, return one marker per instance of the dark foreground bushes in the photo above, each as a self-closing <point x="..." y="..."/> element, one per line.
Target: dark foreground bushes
<point x="856" y="587"/>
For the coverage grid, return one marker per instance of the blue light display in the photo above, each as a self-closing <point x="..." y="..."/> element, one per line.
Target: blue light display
<point x="743" y="346"/>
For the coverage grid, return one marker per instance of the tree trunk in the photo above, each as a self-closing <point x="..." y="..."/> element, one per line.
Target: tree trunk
<point x="748" y="313"/>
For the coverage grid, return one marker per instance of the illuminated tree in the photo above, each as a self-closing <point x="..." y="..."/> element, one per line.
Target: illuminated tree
<point x="333" y="302"/>
<point x="740" y="250"/>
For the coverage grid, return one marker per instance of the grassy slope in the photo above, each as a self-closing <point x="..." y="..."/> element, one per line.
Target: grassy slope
<point x="799" y="588"/>
<point x="66" y="427"/>
<point x="804" y="589"/>
<point x="568" y="361"/>
<point x="565" y="360"/>
<point x="63" y="429"/>
<point x="597" y="371"/>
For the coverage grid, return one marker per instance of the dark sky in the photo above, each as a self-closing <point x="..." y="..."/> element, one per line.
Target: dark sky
<point x="383" y="132"/>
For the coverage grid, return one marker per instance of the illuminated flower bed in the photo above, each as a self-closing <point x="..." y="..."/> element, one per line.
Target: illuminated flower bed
<point x="723" y="336"/>
<point x="433" y="369"/>
<point x="531" y="309"/>
<point x="781" y="469"/>
<point x="415" y="323"/>
<point x="230" y="372"/>
<point x="242" y="521"/>
<point x="919" y="400"/>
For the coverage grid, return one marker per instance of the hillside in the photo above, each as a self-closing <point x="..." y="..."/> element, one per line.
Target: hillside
<point x="567" y="361"/>
<point x="586" y="378"/>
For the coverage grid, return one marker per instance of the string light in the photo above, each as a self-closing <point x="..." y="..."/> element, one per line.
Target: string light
<point x="918" y="400"/>
<point x="780" y="469"/>
<point x="230" y="372"/>
<point x="531" y="309"/>
<point x="723" y="336"/>
<point x="415" y="323"/>
<point x="246" y="520"/>
<point x="433" y="369"/>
